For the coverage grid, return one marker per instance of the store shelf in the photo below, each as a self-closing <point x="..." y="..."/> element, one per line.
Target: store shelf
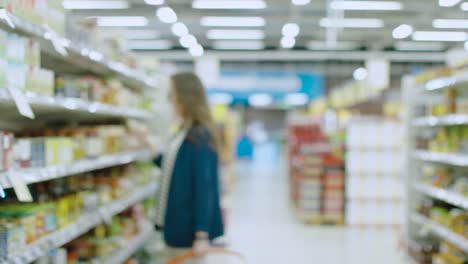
<point x="441" y="231"/>
<point x="445" y="120"/>
<point x="65" y="106"/>
<point x="443" y="195"/>
<point x="35" y="175"/>
<point x="82" y="225"/>
<point x="446" y="158"/>
<point x="132" y="246"/>
<point x="446" y="82"/>
<point x="76" y="59"/>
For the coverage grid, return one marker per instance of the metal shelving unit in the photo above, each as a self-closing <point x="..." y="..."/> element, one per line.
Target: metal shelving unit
<point x="445" y="158"/>
<point x="441" y="231"/>
<point x="132" y="245"/>
<point x="63" y="56"/>
<point x="83" y="224"/>
<point x="443" y="195"/>
<point x="35" y="175"/>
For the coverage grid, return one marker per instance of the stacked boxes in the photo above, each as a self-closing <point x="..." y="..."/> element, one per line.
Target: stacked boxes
<point x="374" y="187"/>
<point x="317" y="173"/>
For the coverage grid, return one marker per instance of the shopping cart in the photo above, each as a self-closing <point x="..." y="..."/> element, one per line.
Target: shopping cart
<point x="214" y="256"/>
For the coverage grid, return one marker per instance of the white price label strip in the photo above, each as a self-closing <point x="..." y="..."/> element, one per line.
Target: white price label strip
<point x="106" y="216"/>
<point x="58" y="42"/>
<point x="20" y="187"/>
<point x="4" y="15"/>
<point x="21" y="102"/>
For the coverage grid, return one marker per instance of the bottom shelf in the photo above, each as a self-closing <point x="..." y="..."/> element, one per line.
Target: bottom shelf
<point x="441" y="231"/>
<point x="131" y="246"/>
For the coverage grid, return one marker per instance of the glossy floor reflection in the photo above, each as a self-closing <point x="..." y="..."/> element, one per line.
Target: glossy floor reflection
<point x="262" y="225"/>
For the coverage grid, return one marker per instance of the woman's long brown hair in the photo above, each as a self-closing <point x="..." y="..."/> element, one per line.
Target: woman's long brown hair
<point x="191" y="98"/>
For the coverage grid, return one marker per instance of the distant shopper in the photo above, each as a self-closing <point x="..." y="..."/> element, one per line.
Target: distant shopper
<point x="189" y="211"/>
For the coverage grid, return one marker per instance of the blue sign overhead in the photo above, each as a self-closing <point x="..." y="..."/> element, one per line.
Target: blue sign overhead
<point x="278" y="84"/>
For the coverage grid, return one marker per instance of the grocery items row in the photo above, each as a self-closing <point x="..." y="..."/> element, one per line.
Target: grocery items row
<point x="316" y="172"/>
<point x="44" y="148"/>
<point x="66" y="43"/>
<point x="60" y="203"/>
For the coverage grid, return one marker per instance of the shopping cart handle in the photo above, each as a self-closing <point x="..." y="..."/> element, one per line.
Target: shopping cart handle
<point x="191" y="254"/>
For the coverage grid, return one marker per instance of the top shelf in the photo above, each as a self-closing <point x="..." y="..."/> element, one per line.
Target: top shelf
<point x="446" y="82"/>
<point x="75" y="60"/>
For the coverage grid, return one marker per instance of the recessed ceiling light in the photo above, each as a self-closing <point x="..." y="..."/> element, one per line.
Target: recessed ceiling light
<point x="342" y="45"/>
<point x="351" y="23"/>
<point x="419" y="46"/>
<point x="360" y="74"/>
<point x="179" y="29"/>
<point x="260" y="100"/>
<point x="154" y="2"/>
<point x="166" y="15"/>
<point x="142" y="34"/>
<point x="238" y="45"/>
<point x="464" y="6"/>
<point x="366" y="5"/>
<point x="149" y="45"/>
<point x="402" y="31"/>
<point x="235" y="34"/>
<point x="440" y="36"/>
<point x="122" y="21"/>
<point x="87" y="4"/>
<point x="300" y="2"/>
<point x="290" y="30"/>
<point x="448" y="3"/>
<point x="296" y="99"/>
<point x="188" y="41"/>
<point x="450" y="23"/>
<point x="232" y="21"/>
<point x="229" y="4"/>
<point x="288" y="42"/>
<point x="196" y="51"/>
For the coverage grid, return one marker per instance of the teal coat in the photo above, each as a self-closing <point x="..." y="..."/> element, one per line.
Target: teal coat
<point x="194" y="198"/>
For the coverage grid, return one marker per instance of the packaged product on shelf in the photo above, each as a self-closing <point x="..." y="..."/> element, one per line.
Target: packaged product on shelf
<point x="6" y="150"/>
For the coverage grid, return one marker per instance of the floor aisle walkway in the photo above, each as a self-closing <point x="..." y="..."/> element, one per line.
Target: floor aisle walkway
<point x="263" y="227"/>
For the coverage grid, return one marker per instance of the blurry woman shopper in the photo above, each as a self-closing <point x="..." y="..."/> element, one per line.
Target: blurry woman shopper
<point x="189" y="211"/>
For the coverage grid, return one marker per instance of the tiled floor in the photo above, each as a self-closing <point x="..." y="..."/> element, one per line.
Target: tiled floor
<point x="263" y="227"/>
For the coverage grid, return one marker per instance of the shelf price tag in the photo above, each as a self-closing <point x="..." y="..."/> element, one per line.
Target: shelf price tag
<point x="4" y="15"/>
<point x="20" y="187"/>
<point x="21" y="102"/>
<point x="106" y="216"/>
<point x="60" y="44"/>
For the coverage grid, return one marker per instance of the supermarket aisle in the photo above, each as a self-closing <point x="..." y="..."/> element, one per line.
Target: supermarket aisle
<point x="262" y="225"/>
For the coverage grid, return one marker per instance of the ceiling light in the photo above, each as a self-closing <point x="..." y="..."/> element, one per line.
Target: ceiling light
<point x="142" y="34"/>
<point x="351" y="23"/>
<point x="288" y="42"/>
<point x="439" y="36"/>
<point x="300" y="2"/>
<point x="188" y="41"/>
<point x="166" y="15"/>
<point x="297" y="99"/>
<point x="260" y="100"/>
<point x="290" y="30"/>
<point x="235" y="34"/>
<point x="419" y="46"/>
<point x="229" y="4"/>
<point x="402" y="31"/>
<point x="450" y="23"/>
<point x="360" y="74"/>
<point x="232" y="21"/>
<point x="342" y="45"/>
<point x="221" y="98"/>
<point x="196" y="51"/>
<point x="71" y="4"/>
<point x="122" y="21"/>
<point x="180" y="29"/>
<point x="154" y="2"/>
<point x="366" y="5"/>
<point x="238" y="45"/>
<point x="464" y="6"/>
<point x="448" y="3"/>
<point x="149" y="45"/>
<point x="466" y="45"/>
